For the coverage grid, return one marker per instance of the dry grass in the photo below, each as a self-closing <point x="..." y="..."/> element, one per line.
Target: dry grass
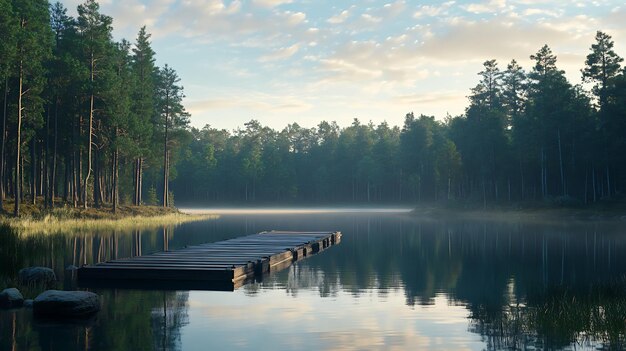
<point x="55" y="225"/>
<point x="36" y="219"/>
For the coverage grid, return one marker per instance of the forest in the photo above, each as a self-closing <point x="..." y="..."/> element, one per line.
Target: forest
<point x="88" y="121"/>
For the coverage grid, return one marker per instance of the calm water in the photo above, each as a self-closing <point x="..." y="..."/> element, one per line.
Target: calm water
<point x="394" y="282"/>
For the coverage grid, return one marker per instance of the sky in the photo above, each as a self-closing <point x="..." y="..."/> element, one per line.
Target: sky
<point x="290" y="61"/>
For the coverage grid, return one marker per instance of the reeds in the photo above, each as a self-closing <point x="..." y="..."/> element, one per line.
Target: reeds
<point x="50" y="223"/>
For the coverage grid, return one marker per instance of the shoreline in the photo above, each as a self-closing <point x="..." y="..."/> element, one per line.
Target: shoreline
<point x="69" y="219"/>
<point x="538" y="214"/>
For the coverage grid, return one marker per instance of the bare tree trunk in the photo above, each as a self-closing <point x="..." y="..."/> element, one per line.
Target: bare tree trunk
<point x="18" y="176"/>
<point x="135" y="182"/>
<point x="33" y="171"/>
<point x="66" y="190"/>
<point x="608" y="181"/>
<point x="138" y="165"/>
<point x="96" y="177"/>
<point x="521" y="171"/>
<point x="561" y="162"/>
<point x="140" y="182"/>
<point x="593" y="182"/>
<point x="76" y="174"/>
<point x="115" y="175"/>
<point x="4" y="132"/>
<point x="165" y="156"/>
<point x="90" y="130"/>
<point x="89" y="148"/>
<point x="586" y="181"/>
<point x="45" y="173"/>
<point x="102" y="183"/>
<point x="53" y="173"/>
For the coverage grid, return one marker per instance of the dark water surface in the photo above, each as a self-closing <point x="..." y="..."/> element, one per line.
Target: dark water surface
<point x="394" y="282"/>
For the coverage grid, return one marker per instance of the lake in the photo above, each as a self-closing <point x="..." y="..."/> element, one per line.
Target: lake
<point x="394" y="282"/>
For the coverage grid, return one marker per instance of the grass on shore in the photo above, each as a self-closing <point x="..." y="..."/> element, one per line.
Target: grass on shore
<point x="63" y="218"/>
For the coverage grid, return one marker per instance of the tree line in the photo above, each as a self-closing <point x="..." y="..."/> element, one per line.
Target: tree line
<point x="525" y="137"/>
<point x="88" y="121"/>
<point x="85" y="118"/>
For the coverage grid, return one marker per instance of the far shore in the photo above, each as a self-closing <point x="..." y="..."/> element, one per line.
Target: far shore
<point x="531" y="213"/>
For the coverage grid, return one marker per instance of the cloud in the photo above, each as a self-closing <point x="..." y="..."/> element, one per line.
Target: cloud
<point x="540" y="12"/>
<point x="214" y="20"/>
<point x="485" y="7"/>
<point x="501" y="39"/>
<point x="281" y="53"/>
<point x="432" y="11"/>
<point x="249" y="101"/>
<point x="296" y="60"/>
<point x="371" y="19"/>
<point x="271" y="3"/>
<point x="393" y="9"/>
<point x="433" y="98"/>
<point x="340" y="18"/>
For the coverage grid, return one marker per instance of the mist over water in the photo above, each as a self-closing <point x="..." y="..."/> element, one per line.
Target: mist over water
<point x="394" y="282"/>
<point x="292" y="210"/>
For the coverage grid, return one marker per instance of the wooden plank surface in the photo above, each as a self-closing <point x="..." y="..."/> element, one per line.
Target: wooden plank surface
<point x="223" y="264"/>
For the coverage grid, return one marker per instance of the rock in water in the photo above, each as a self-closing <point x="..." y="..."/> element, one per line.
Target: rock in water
<point x="11" y="298"/>
<point x="66" y="304"/>
<point x="28" y="303"/>
<point x="37" y="275"/>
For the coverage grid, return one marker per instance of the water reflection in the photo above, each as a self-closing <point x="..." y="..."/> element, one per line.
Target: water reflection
<point x="393" y="282"/>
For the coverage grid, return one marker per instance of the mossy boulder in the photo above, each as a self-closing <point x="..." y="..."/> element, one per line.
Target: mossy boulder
<point x="36" y="275"/>
<point x="66" y="304"/>
<point x="11" y="298"/>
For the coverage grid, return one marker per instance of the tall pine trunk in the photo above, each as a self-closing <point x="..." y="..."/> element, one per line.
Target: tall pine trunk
<point x="96" y="179"/>
<point x="561" y="162"/>
<point x="33" y="171"/>
<point x="165" y="156"/>
<point x="90" y="131"/>
<point x="115" y="172"/>
<point x="4" y="132"/>
<point x="53" y="172"/>
<point x="18" y="175"/>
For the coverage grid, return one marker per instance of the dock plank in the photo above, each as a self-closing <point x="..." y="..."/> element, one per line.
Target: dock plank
<point x="224" y="265"/>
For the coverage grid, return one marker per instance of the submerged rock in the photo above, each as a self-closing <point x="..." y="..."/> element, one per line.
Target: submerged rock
<point x="11" y="298"/>
<point x="28" y="303"/>
<point x="66" y="304"/>
<point x="71" y="268"/>
<point x="37" y="275"/>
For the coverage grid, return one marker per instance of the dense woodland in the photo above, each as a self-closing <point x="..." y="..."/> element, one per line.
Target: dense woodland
<point x="525" y="137"/>
<point x="88" y="121"/>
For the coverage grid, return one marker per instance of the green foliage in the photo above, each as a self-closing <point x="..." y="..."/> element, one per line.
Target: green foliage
<point x="523" y="137"/>
<point x="601" y="66"/>
<point x="151" y="198"/>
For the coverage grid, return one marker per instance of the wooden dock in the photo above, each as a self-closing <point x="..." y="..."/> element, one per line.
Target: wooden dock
<point x="224" y="265"/>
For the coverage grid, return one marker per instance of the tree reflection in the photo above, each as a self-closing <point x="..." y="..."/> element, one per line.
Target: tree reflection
<point x="129" y="320"/>
<point x="525" y="284"/>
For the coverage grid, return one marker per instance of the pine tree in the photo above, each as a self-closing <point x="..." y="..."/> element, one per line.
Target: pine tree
<point x="119" y="112"/>
<point x="34" y="41"/>
<point x="170" y="97"/>
<point x="143" y="106"/>
<point x="8" y="28"/>
<point x="514" y="86"/>
<point x="94" y="30"/>
<point x="601" y="66"/>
